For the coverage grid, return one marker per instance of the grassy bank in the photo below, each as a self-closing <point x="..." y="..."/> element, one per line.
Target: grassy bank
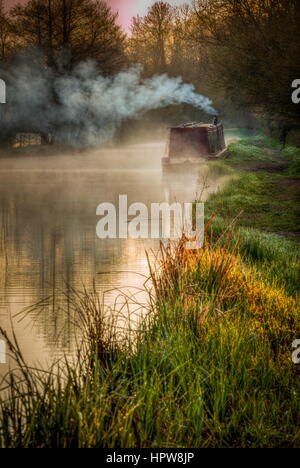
<point x="266" y="192"/>
<point x="210" y="366"/>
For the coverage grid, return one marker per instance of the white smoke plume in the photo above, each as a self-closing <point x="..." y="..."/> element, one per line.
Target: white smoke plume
<point x="85" y="108"/>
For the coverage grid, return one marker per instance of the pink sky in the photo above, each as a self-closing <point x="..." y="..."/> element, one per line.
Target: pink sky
<point x="129" y="8"/>
<point x="126" y="8"/>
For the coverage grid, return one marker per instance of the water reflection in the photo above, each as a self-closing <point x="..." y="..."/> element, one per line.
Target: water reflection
<point x="48" y="237"/>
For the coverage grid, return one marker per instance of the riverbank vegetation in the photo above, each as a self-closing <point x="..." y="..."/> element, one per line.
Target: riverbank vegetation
<point x="265" y="195"/>
<point x="209" y="366"/>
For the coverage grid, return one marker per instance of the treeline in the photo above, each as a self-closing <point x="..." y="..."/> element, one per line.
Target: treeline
<point x="67" y="31"/>
<point x="243" y="54"/>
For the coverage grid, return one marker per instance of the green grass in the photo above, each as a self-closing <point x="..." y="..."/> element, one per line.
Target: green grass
<point x="275" y="258"/>
<point x="262" y="210"/>
<point x="265" y="192"/>
<point x="260" y="200"/>
<point x="261" y="141"/>
<point x="293" y="156"/>
<point x="244" y="151"/>
<point x="211" y="364"/>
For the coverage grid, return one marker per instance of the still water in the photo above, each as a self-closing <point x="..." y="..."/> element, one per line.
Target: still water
<point x="48" y="239"/>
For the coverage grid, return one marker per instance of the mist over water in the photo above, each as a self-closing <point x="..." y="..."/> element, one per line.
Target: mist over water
<point x="84" y="108"/>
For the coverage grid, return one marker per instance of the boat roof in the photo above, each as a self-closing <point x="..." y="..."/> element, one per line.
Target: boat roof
<point x="195" y="125"/>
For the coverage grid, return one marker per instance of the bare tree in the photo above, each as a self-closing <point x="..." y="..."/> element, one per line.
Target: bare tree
<point x="150" y="37"/>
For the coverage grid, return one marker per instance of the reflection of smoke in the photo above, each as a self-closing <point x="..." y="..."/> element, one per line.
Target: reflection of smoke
<point x="87" y="107"/>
